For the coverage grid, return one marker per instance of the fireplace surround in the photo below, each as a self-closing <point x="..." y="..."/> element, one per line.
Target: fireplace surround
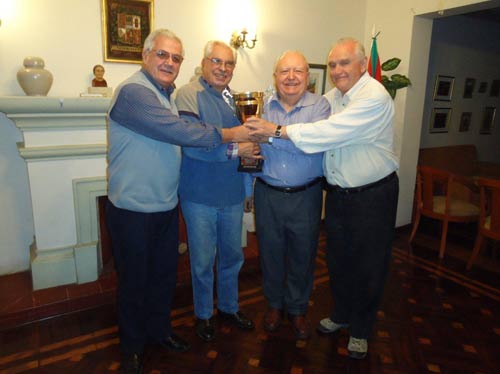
<point x="64" y="147"/>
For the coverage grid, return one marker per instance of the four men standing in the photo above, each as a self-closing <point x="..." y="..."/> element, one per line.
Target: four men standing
<point x="144" y="156"/>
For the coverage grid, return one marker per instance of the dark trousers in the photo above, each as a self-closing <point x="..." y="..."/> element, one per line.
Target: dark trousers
<point x="287" y="226"/>
<point x="360" y="230"/>
<point x="145" y="250"/>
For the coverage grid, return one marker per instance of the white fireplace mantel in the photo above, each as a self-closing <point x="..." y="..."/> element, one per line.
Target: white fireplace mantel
<point x="64" y="146"/>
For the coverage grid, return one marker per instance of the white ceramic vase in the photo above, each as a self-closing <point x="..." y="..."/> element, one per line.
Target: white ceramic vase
<point x="33" y="78"/>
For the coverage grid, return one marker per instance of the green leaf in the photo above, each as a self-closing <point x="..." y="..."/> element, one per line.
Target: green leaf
<point x="392" y="92"/>
<point x="391" y="64"/>
<point x="400" y="81"/>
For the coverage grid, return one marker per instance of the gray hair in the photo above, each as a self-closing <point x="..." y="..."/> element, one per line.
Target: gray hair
<point x="209" y="47"/>
<point x="359" y="49"/>
<point x="150" y="40"/>
<point x="287" y="52"/>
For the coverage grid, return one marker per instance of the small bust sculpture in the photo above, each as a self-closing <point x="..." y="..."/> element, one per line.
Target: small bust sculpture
<point x="99" y="80"/>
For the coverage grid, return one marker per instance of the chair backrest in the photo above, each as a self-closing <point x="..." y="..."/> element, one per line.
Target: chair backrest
<point x="441" y="187"/>
<point x="431" y="182"/>
<point x="460" y="159"/>
<point x="489" y="207"/>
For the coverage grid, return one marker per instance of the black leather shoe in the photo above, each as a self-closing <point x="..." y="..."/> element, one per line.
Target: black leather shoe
<point x="238" y="319"/>
<point x="205" y="329"/>
<point x="131" y="364"/>
<point x="272" y="319"/>
<point x="300" y="327"/>
<point x="174" y="343"/>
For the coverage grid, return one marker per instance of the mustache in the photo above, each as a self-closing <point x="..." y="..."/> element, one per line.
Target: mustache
<point x="167" y="70"/>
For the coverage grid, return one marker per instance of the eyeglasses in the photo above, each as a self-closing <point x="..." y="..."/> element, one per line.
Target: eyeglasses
<point x="164" y="56"/>
<point x="230" y="65"/>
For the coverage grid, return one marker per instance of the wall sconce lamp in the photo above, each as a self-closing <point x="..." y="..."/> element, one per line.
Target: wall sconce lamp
<point x="239" y="40"/>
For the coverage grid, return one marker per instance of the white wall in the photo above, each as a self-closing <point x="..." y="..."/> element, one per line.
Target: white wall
<point x="67" y="35"/>
<point x="464" y="47"/>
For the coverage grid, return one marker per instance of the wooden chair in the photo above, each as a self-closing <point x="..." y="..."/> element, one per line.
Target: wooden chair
<point x="489" y="215"/>
<point x="437" y="197"/>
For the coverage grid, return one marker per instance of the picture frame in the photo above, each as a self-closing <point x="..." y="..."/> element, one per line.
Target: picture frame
<point x="465" y="122"/>
<point x="469" y="87"/>
<point x="125" y="26"/>
<point x="440" y="120"/>
<point x="483" y="87"/>
<point x="488" y="120"/>
<point x="495" y="88"/>
<point x="317" y="79"/>
<point x="443" y="88"/>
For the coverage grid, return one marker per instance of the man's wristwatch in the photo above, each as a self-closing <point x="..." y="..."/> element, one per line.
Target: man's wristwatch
<point x="277" y="132"/>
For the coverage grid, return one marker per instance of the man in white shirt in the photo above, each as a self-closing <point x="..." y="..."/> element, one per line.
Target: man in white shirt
<point x="360" y="167"/>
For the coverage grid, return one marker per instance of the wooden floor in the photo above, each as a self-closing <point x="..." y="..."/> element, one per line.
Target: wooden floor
<point x="435" y="318"/>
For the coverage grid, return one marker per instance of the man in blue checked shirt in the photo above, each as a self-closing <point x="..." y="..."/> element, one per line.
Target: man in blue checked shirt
<point x="288" y="199"/>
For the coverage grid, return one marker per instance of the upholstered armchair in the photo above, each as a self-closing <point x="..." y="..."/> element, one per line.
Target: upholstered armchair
<point x="489" y="215"/>
<point x="446" y="197"/>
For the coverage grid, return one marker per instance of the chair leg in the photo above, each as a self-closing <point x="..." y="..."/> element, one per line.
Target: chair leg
<point x="415" y="227"/>
<point x="475" y="251"/>
<point x="442" y="246"/>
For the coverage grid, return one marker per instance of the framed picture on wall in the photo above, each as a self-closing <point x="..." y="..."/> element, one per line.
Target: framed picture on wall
<point x="443" y="88"/>
<point x="125" y="26"/>
<point x="465" y="120"/>
<point x="440" y="120"/>
<point x="469" y="87"/>
<point x="495" y="88"/>
<point x="483" y="86"/>
<point x="488" y="120"/>
<point x="317" y="79"/>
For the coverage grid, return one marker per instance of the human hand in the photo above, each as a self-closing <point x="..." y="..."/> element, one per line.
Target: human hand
<point x="248" y="204"/>
<point x="235" y="134"/>
<point x="249" y="150"/>
<point x="260" y="128"/>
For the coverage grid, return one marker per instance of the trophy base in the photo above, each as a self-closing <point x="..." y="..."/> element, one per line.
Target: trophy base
<point x="246" y="165"/>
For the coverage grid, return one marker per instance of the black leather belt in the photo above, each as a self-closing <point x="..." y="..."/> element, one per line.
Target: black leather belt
<point x="291" y="189"/>
<point x="365" y="187"/>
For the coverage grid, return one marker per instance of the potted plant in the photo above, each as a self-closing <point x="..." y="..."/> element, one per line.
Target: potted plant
<point x="396" y="81"/>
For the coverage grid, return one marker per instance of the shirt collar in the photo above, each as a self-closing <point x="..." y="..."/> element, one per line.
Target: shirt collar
<point x="210" y="88"/>
<point x="166" y="91"/>
<point x="306" y="100"/>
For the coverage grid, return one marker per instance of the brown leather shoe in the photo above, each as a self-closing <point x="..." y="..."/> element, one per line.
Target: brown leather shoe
<point x="300" y="327"/>
<point x="272" y="319"/>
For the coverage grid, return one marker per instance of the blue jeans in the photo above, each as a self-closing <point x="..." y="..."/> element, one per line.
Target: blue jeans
<point x="214" y="236"/>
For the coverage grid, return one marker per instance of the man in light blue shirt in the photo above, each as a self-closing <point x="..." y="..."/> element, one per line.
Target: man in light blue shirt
<point x="288" y="199"/>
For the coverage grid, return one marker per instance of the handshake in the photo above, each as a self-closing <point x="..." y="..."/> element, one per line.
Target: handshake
<point x="255" y="130"/>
